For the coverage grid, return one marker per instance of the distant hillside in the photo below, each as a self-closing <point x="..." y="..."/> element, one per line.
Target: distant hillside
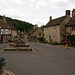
<point x="20" y="25"/>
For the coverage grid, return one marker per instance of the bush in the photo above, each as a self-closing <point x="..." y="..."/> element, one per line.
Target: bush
<point x="15" y="37"/>
<point x="0" y="41"/>
<point x="72" y="40"/>
<point x="54" y="43"/>
<point x="42" y="40"/>
<point x="20" y="35"/>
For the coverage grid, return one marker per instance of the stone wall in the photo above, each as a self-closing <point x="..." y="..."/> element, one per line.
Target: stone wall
<point x="55" y="34"/>
<point x="68" y="29"/>
<point x="37" y="32"/>
<point x="63" y="28"/>
<point x="6" y="38"/>
<point x="14" y="33"/>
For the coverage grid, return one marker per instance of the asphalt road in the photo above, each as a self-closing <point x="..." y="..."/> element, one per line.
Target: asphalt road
<point x="3" y="45"/>
<point x="47" y="60"/>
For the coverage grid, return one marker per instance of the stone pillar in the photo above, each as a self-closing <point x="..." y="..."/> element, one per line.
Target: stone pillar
<point x="73" y="13"/>
<point x="50" y="18"/>
<point x="67" y="12"/>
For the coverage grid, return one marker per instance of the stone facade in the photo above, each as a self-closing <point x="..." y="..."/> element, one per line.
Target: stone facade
<point x="8" y="31"/>
<point x="38" y="33"/>
<point x="59" y="29"/>
<point x="14" y="33"/>
<point x="35" y="33"/>
<point x="70" y="31"/>
<point x="52" y="34"/>
<point x="0" y="33"/>
<point x="6" y="38"/>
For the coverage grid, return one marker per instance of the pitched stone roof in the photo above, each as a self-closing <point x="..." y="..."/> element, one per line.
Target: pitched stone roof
<point x="35" y="29"/>
<point x="11" y="25"/>
<point x="71" y="22"/>
<point x="4" y="25"/>
<point x="56" y="21"/>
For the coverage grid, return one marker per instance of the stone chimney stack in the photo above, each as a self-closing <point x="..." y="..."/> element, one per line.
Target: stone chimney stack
<point x="50" y="18"/>
<point x="67" y="12"/>
<point x="73" y="13"/>
<point x="35" y="26"/>
<point x="4" y="19"/>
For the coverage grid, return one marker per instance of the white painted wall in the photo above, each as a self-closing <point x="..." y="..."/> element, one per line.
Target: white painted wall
<point x="5" y="31"/>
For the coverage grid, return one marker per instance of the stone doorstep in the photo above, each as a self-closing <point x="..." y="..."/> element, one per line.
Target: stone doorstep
<point x="23" y="49"/>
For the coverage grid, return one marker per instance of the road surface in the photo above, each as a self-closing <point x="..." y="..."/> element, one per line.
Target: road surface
<point x="47" y="60"/>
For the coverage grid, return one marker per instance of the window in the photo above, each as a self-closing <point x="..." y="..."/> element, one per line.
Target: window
<point x="73" y="27"/>
<point x="39" y="34"/>
<point x="54" y="27"/>
<point x="46" y="29"/>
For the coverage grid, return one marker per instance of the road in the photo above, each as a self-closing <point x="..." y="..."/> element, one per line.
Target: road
<point x="47" y="60"/>
<point x="3" y="45"/>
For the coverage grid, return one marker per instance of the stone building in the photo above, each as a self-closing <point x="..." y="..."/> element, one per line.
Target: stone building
<point x="7" y="30"/>
<point x="22" y="34"/>
<point x="58" y="29"/>
<point x="37" y="32"/>
<point x="70" y="26"/>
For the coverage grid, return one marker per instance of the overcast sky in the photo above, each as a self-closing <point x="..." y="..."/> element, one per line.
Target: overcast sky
<point x="35" y="11"/>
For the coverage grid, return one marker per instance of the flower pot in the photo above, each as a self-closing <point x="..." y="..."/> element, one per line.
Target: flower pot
<point x="2" y="71"/>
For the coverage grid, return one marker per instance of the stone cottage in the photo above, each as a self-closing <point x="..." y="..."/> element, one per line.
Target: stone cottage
<point x="37" y="32"/>
<point x="7" y="30"/>
<point x="57" y="29"/>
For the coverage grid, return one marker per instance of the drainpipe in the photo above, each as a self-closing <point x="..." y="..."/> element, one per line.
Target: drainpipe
<point x="70" y="30"/>
<point x="0" y="33"/>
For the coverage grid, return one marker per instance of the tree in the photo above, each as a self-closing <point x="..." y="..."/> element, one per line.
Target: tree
<point x="72" y="40"/>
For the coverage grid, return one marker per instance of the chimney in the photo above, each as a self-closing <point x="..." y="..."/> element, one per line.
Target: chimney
<point x="50" y="18"/>
<point x="67" y="12"/>
<point x="35" y="26"/>
<point x="73" y="13"/>
<point x="4" y="19"/>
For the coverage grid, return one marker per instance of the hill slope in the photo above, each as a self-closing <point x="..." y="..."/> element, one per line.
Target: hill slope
<point x="20" y="25"/>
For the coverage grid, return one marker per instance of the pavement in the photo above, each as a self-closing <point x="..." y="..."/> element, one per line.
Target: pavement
<point x="3" y="45"/>
<point x="44" y="60"/>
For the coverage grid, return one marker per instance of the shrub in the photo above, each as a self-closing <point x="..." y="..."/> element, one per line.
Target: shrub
<point x="20" y="35"/>
<point x="0" y="41"/>
<point x="42" y="40"/>
<point x="72" y="40"/>
<point x="15" y="37"/>
<point x="54" y="43"/>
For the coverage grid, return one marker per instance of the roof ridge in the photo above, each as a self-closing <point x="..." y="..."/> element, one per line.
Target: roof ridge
<point x="59" y="17"/>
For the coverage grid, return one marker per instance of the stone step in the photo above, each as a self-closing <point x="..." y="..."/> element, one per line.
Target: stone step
<point x="18" y="49"/>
